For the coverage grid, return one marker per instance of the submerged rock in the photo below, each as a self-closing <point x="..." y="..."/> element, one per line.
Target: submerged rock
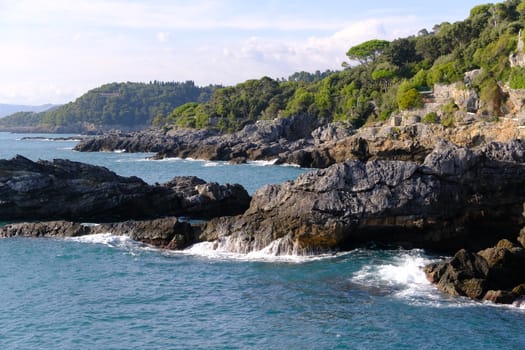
<point x="456" y="198"/>
<point x="63" y="189"/>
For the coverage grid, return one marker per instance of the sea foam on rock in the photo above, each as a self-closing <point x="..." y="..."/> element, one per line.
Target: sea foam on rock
<point x="166" y="233"/>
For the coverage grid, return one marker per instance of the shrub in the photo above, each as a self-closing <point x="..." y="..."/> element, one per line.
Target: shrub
<point x="408" y="97"/>
<point x="431" y="118"/>
<point x="448" y="122"/>
<point x="449" y="108"/>
<point x="517" y="78"/>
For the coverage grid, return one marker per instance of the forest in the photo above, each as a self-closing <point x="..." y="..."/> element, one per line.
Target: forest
<point x="128" y="104"/>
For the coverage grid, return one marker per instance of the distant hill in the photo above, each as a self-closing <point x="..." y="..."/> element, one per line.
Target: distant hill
<point x="125" y="106"/>
<point x="8" y="109"/>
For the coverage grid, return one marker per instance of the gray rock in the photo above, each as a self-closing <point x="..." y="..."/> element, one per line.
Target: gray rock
<point x="63" y="189"/>
<point x="166" y="233"/>
<point x="44" y="229"/>
<point x="263" y="140"/>
<point x="456" y="198"/>
<point x="463" y="275"/>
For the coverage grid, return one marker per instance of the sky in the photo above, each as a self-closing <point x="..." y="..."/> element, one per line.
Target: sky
<point x="53" y="51"/>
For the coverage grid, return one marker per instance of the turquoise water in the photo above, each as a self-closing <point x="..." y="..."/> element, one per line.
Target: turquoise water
<point x="106" y="292"/>
<point x="252" y="176"/>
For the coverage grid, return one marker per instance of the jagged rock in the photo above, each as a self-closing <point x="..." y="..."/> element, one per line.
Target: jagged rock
<point x="463" y="275"/>
<point x="521" y="237"/>
<point x="300" y="140"/>
<point x="206" y="200"/>
<point x="456" y="198"/>
<point x="331" y="133"/>
<point x="263" y="140"/>
<point x="63" y="189"/>
<point x="495" y="274"/>
<point x="505" y="265"/>
<point x="519" y="290"/>
<point x="500" y="296"/>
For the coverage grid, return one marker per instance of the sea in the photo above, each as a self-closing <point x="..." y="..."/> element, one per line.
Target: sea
<point x="110" y="292"/>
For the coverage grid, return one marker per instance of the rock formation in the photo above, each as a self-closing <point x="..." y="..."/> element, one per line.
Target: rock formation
<point x="264" y="140"/>
<point x="63" y="189"/>
<point x="458" y="198"/>
<point x="495" y="274"/>
<point x="166" y="233"/>
<point x="300" y="141"/>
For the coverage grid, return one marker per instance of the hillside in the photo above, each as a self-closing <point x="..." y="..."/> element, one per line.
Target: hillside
<point x="443" y="75"/>
<point x="389" y="79"/>
<point x="125" y="106"/>
<point x="8" y="109"/>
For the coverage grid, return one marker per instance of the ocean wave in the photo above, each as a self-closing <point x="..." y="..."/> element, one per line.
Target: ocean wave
<point x="268" y="254"/>
<point x="212" y="164"/>
<point x="263" y="162"/>
<point x="402" y="275"/>
<point x="110" y="240"/>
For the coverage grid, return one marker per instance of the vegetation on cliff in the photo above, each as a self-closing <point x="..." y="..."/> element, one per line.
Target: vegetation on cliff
<point x="381" y="77"/>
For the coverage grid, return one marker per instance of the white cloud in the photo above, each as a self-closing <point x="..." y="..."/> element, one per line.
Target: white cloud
<point x="163" y="37"/>
<point x="274" y="57"/>
<point x="55" y="50"/>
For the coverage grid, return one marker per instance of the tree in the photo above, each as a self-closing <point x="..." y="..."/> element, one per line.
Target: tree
<point x="367" y="52"/>
<point x="408" y="97"/>
<point x="383" y="74"/>
<point x="401" y="51"/>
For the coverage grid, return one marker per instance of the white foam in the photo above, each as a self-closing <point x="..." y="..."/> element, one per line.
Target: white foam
<point x="403" y="277"/>
<point x="119" y="151"/>
<point x="402" y="274"/>
<point x="211" y="164"/>
<point x="211" y="250"/>
<point x="263" y="162"/>
<point x="108" y="239"/>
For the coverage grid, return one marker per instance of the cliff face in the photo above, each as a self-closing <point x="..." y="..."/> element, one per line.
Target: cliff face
<point x="456" y="198"/>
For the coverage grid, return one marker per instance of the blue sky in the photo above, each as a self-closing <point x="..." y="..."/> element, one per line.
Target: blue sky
<point x="52" y="51"/>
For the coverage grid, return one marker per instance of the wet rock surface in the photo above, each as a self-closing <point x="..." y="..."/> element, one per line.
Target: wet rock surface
<point x="495" y="274"/>
<point x="166" y="233"/>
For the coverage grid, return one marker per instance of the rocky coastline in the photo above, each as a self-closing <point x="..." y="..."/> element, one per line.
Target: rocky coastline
<point x="456" y="198"/>
<point x="66" y="190"/>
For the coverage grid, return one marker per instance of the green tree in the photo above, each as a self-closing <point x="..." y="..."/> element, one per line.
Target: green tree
<point x="366" y="52"/>
<point x="408" y="97"/>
